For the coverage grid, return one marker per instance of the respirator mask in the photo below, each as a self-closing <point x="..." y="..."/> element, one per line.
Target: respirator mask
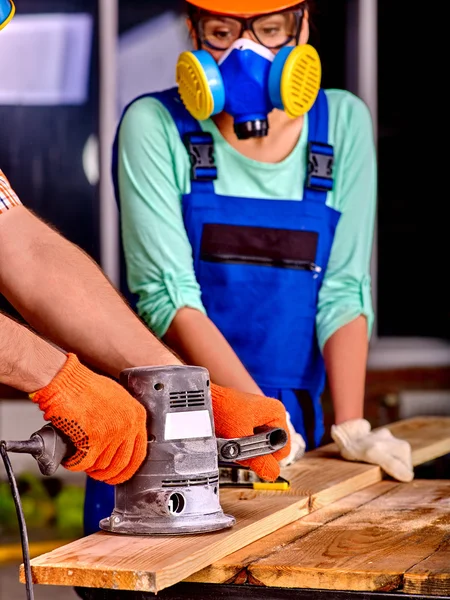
<point x="248" y="82"/>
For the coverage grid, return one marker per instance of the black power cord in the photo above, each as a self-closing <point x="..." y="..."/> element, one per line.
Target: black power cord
<point x="21" y="520"/>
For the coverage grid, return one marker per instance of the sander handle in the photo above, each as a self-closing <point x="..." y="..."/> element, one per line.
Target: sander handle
<point x="266" y="440"/>
<point x="48" y="446"/>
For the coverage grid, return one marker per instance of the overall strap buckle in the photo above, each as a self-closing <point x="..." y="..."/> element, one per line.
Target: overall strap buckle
<point x="320" y="167"/>
<point x="200" y="147"/>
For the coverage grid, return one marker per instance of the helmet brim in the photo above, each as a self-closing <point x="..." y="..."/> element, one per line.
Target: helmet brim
<point x="244" y="7"/>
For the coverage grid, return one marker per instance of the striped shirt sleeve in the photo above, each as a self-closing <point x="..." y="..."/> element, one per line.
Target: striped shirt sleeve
<point x="8" y="198"/>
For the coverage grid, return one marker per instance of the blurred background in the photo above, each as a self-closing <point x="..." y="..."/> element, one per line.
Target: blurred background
<point x="68" y="68"/>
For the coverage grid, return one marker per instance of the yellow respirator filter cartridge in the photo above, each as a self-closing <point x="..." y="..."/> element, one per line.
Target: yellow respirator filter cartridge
<point x="300" y="82"/>
<point x="200" y="84"/>
<point x="293" y="82"/>
<point x="295" y="79"/>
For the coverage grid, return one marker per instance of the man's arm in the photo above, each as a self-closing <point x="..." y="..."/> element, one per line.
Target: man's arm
<point x="63" y="294"/>
<point x="27" y="362"/>
<point x="75" y="400"/>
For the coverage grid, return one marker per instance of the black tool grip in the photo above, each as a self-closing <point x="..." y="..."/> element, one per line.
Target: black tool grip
<point x="266" y="441"/>
<point x="48" y="446"/>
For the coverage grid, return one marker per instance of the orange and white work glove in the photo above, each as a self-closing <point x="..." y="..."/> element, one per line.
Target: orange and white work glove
<point x="357" y="442"/>
<point x="237" y="414"/>
<point x="105" y="423"/>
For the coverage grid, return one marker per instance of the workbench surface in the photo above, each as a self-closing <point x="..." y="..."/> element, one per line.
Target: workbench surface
<point x="390" y="537"/>
<point x="345" y="529"/>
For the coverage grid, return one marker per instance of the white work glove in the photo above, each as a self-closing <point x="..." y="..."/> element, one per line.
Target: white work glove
<point x="298" y="445"/>
<point x="357" y="442"/>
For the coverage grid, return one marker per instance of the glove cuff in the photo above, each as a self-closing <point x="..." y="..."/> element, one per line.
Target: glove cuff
<point x="345" y="434"/>
<point x="73" y="376"/>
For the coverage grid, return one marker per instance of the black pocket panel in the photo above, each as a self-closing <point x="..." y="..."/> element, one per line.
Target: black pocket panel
<point x="263" y="246"/>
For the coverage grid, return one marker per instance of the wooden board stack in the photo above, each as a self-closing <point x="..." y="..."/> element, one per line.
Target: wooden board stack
<point x="319" y="483"/>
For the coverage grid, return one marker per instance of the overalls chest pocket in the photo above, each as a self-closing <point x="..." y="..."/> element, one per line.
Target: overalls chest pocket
<point x="259" y="286"/>
<point x="267" y="261"/>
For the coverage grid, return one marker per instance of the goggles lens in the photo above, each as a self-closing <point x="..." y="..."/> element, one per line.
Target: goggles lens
<point x="273" y="31"/>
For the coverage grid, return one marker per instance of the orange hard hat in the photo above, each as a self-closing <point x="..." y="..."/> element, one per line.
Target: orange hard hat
<point x="244" y="7"/>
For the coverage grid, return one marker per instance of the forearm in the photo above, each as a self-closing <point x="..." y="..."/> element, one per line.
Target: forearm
<point x="64" y="295"/>
<point x="27" y="362"/>
<point x="345" y="355"/>
<point x="198" y="341"/>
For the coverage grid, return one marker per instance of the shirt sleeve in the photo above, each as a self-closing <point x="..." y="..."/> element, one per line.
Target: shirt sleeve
<point x="346" y="290"/>
<point x="8" y="198"/>
<point x="153" y="169"/>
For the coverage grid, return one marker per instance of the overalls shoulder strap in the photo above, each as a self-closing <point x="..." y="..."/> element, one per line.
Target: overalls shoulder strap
<point x="319" y="179"/>
<point x="199" y="144"/>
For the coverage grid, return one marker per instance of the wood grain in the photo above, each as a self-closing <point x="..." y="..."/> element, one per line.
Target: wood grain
<point x="150" y="564"/>
<point x="325" y="477"/>
<point x="429" y="438"/>
<point x="432" y="575"/>
<point x="227" y="569"/>
<point x="368" y="549"/>
<point x="318" y="480"/>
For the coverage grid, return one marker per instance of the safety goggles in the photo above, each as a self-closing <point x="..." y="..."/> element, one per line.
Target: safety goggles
<point x="274" y="30"/>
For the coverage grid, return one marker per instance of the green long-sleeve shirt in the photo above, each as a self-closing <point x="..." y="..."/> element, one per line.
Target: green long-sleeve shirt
<point x="154" y="173"/>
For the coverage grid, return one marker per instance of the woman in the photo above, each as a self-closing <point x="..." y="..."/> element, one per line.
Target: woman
<point x="248" y="229"/>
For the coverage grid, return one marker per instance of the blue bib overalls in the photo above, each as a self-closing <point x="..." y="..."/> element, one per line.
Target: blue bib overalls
<point x="260" y="265"/>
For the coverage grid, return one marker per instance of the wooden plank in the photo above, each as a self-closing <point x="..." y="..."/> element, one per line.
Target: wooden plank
<point x="235" y="565"/>
<point x="370" y="548"/>
<point x="133" y="563"/>
<point x="326" y="482"/>
<point x="326" y="479"/>
<point x="429" y="438"/>
<point x="432" y="575"/>
<point x="150" y="564"/>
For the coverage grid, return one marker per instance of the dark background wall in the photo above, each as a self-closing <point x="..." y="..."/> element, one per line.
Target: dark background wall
<point x="413" y="225"/>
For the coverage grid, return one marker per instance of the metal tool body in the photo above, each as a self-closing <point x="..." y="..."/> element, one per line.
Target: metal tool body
<point x="176" y="490"/>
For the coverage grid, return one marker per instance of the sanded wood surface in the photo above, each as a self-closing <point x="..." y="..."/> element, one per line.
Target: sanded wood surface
<point x="233" y="568"/>
<point x="317" y="481"/>
<point x="151" y="564"/>
<point x="431" y="575"/>
<point x="429" y="437"/>
<point x="370" y="548"/>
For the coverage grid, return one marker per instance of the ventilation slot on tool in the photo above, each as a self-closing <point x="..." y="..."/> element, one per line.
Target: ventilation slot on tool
<point x="175" y="483"/>
<point x="186" y="399"/>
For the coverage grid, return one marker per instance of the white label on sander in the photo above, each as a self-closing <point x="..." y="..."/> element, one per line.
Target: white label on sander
<point x="188" y="425"/>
